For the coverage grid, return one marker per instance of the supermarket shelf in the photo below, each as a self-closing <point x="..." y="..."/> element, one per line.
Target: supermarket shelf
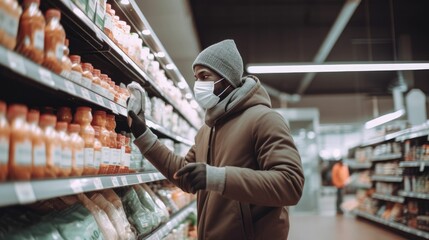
<point x="166" y="228"/>
<point x="150" y="123"/>
<point x="389" y="198"/>
<point x="382" y="178"/>
<point x="127" y="61"/>
<point x="386" y="157"/>
<point x="414" y="195"/>
<point x="415" y="132"/>
<point x="414" y="164"/>
<point x="391" y="224"/>
<point x="384" y="138"/>
<point x="363" y="185"/>
<point x="359" y="165"/>
<point x="24" y="192"/>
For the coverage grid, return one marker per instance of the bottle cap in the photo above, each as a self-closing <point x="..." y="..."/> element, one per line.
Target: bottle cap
<point x="33" y="116"/>
<point x="53" y="13"/>
<point x="16" y="110"/>
<point x="75" y="58"/>
<point x="48" y="120"/>
<point x="61" y="126"/>
<point x="74" y="128"/>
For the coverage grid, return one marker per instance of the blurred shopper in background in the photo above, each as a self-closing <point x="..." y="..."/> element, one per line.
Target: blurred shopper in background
<point x="244" y="165"/>
<point x="340" y="178"/>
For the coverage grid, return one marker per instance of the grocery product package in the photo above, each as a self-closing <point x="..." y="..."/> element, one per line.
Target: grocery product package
<point x="124" y="231"/>
<point x="147" y="201"/>
<point x="138" y="215"/>
<point x="103" y="222"/>
<point x="161" y="206"/>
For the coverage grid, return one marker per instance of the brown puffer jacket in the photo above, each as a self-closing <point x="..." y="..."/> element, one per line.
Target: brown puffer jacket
<point x="263" y="167"/>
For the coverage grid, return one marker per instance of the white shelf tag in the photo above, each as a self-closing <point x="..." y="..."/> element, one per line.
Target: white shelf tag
<point x="100" y="100"/>
<point x="115" y="182"/>
<point x="70" y="87"/>
<point x="123" y="111"/>
<point x="422" y="166"/>
<point x="152" y="177"/>
<point x="46" y="76"/>
<point x="25" y="193"/>
<point x="16" y="62"/>
<point x="139" y="177"/>
<point x="98" y="184"/>
<point x="85" y="93"/>
<point x="124" y="180"/>
<point x="76" y="186"/>
<point x="114" y="108"/>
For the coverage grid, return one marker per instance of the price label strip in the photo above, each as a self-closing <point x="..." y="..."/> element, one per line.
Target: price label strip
<point x="70" y="87"/>
<point x="123" y="111"/>
<point x="100" y="100"/>
<point x="114" y="108"/>
<point x="85" y="93"/>
<point x="98" y="184"/>
<point x="25" y="193"/>
<point x="115" y="182"/>
<point x="139" y="178"/>
<point x="16" y="63"/>
<point x="124" y="180"/>
<point x="46" y="77"/>
<point x="76" y="186"/>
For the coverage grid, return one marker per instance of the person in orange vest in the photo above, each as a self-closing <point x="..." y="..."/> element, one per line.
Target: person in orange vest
<point x="340" y="178"/>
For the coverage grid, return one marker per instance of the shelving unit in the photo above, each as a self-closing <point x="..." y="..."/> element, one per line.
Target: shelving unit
<point x="424" y="196"/>
<point x="382" y="178"/>
<point x="414" y="164"/>
<point x="389" y="198"/>
<point x="386" y="157"/>
<point x="32" y="83"/>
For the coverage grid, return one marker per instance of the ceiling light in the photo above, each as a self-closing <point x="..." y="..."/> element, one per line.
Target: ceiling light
<point x="194" y="104"/>
<point x="181" y="85"/>
<point x="384" y="119"/>
<point x="125" y="2"/>
<point x="160" y="54"/>
<point x="188" y="96"/>
<point x="146" y="32"/>
<point x="170" y="66"/>
<point x="336" y="67"/>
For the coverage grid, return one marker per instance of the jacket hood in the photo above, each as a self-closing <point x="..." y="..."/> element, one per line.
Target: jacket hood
<point x="250" y="93"/>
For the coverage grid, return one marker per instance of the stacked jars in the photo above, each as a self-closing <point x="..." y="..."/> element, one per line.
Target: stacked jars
<point x="83" y="117"/>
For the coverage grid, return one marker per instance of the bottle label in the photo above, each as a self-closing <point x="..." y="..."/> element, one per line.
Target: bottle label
<point x="97" y="159"/>
<point x="79" y="158"/>
<point x="39" y="39"/>
<point x="57" y="155"/>
<point x="115" y="156"/>
<point x="108" y="23"/>
<point x="105" y="155"/>
<point x="23" y="153"/>
<point x="98" y="89"/>
<point x="89" y="157"/>
<point x="10" y="24"/>
<point x="76" y="77"/>
<point x="122" y="156"/>
<point x="66" y="158"/>
<point x="4" y="149"/>
<point x="40" y="155"/>
<point x="127" y="160"/>
<point x="59" y="51"/>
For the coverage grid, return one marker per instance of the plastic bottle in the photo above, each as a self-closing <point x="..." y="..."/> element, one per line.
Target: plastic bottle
<point x="4" y="142"/>
<point x="20" y="165"/>
<point x="10" y="12"/>
<point x="96" y="82"/>
<point x="77" y="149"/>
<point x="108" y="21"/>
<point x="83" y="117"/>
<point x="97" y="149"/>
<point x="38" y="145"/>
<point x="127" y="157"/>
<point x="53" y="145"/>
<point x="120" y="146"/>
<point x="100" y="121"/>
<point x="55" y="37"/>
<point x="65" y="166"/>
<point x="115" y="154"/>
<point x="64" y="114"/>
<point x="76" y="70"/>
<point x="104" y="84"/>
<point x="31" y="33"/>
<point x="65" y="60"/>
<point x="87" y="75"/>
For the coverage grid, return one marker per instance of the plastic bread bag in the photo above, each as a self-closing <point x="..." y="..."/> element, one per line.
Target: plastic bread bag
<point x="162" y="209"/>
<point x="75" y="222"/>
<point x="45" y="230"/>
<point x="107" y="229"/>
<point x="114" y="199"/>
<point x="148" y="203"/>
<point x="139" y="216"/>
<point x="114" y="216"/>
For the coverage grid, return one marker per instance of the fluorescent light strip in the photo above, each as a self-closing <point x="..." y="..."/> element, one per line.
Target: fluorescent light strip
<point x="384" y="119"/>
<point x="357" y="67"/>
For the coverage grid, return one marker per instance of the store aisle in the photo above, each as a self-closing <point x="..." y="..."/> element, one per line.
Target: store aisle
<point x="326" y="225"/>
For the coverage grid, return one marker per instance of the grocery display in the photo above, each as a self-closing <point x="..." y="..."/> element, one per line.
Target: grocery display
<point x="398" y="194"/>
<point x="66" y="134"/>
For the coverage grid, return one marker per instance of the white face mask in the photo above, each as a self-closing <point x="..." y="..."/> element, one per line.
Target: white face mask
<point x="204" y="95"/>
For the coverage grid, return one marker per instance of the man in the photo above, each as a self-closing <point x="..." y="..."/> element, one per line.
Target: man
<point x="244" y="165"/>
<point x="340" y="178"/>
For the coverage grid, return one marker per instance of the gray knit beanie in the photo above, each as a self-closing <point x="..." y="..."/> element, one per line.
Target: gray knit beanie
<point x="223" y="58"/>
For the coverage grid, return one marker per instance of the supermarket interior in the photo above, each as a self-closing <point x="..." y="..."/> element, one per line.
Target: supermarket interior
<point x="349" y="79"/>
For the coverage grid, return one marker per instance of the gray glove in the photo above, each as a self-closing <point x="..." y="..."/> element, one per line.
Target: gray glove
<point x="203" y="177"/>
<point x="137" y="100"/>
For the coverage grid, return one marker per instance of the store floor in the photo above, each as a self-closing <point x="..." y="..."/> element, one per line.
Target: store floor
<point x="326" y="225"/>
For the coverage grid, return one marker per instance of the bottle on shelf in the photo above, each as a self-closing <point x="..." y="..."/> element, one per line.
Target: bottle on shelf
<point x="76" y="70"/>
<point x="64" y="114"/>
<point x="53" y="145"/>
<point x="99" y="120"/>
<point x="87" y="75"/>
<point x="83" y="117"/>
<point x="10" y="12"/>
<point x="96" y="82"/>
<point x="4" y="142"/>
<point x="78" y="146"/>
<point x="127" y="158"/>
<point x="97" y="149"/>
<point x="108" y="21"/>
<point x="55" y="37"/>
<point x="120" y="146"/>
<point x="65" y="166"/>
<point x="20" y="165"/>
<point x="65" y="60"/>
<point x="114" y="157"/>
<point x="38" y="145"/>
<point x="31" y="33"/>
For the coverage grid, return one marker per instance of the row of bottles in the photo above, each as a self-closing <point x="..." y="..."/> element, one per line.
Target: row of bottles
<point x="37" y="146"/>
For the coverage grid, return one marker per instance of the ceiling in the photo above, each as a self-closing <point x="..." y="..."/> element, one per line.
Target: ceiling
<point x="268" y="31"/>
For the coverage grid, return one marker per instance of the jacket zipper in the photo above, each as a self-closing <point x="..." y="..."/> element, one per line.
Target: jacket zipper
<point x="210" y="150"/>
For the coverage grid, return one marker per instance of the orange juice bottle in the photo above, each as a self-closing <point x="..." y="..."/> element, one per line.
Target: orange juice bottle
<point x="20" y="145"/>
<point x="64" y="114"/>
<point x="10" y="12"/>
<point x="4" y="142"/>
<point x="127" y="157"/>
<point x="97" y="149"/>
<point x="65" y="60"/>
<point x="96" y="82"/>
<point x="83" y="117"/>
<point x="55" y="37"/>
<point x="120" y="145"/>
<point x="78" y="145"/>
<point x="65" y="167"/>
<point x="39" y="145"/>
<point x="31" y="33"/>
<point x="114" y="157"/>
<point x="87" y="75"/>
<point x="53" y="145"/>
<point x="100" y="121"/>
<point x="76" y="70"/>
